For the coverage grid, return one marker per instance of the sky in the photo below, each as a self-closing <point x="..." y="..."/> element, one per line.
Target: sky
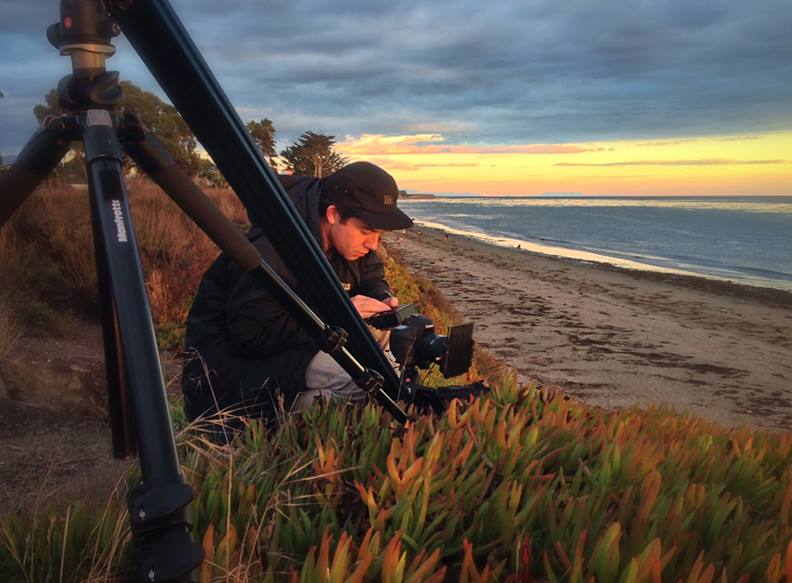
<point x="657" y="97"/>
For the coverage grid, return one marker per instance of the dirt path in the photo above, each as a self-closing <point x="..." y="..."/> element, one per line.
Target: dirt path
<point x="54" y="457"/>
<point x="617" y="338"/>
<point x="56" y="443"/>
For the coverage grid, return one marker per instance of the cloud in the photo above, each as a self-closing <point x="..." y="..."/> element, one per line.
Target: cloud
<point x="379" y="145"/>
<point x="519" y="72"/>
<point x="739" y="138"/>
<point x="398" y="144"/>
<point x="702" y="162"/>
<point x="401" y="166"/>
<point x="663" y="143"/>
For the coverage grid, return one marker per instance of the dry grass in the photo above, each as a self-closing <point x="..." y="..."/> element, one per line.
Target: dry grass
<point x="47" y="257"/>
<point x="9" y="329"/>
<point x="174" y="253"/>
<point x="9" y="337"/>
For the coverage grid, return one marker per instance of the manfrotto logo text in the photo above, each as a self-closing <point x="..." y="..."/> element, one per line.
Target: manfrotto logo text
<point x="118" y="219"/>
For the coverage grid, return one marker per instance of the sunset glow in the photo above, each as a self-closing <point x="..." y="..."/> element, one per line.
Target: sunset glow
<point x="759" y="164"/>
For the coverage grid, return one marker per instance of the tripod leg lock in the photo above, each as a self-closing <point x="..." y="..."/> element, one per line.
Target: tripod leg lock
<point x="333" y="339"/>
<point x="370" y="381"/>
<point x="161" y="531"/>
<point x="151" y="504"/>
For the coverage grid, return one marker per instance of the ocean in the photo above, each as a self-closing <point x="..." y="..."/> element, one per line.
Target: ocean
<point x="747" y="240"/>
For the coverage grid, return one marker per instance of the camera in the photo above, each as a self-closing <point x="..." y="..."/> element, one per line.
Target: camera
<point x="414" y="343"/>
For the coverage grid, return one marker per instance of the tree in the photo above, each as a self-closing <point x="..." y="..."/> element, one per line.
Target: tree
<point x="210" y="175"/>
<point x="263" y="133"/>
<point x="161" y="119"/>
<point x="313" y="155"/>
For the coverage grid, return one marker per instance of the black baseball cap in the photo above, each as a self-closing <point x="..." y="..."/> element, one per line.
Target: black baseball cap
<point x="369" y="192"/>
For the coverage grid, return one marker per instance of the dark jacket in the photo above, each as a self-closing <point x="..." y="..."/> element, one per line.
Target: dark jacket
<point x="240" y="340"/>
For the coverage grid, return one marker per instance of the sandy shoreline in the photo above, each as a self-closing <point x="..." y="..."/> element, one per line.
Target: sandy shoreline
<point x="616" y="337"/>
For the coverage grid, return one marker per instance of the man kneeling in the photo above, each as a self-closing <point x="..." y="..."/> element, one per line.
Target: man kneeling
<point x="244" y="350"/>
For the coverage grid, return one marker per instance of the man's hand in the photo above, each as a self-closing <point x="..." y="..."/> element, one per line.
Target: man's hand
<point x="392" y="301"/>
<point x="368" y="307"/>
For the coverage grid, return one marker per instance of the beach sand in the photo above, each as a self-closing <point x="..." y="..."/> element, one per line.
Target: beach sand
<point x="614" y="337"/>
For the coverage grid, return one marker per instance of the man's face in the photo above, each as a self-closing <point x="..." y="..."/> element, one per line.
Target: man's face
<point x="352" y="238"/>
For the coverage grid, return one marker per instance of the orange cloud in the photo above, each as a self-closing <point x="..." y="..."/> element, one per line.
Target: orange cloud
<point x="406" y="166"/>
<point x="425" y="162"/>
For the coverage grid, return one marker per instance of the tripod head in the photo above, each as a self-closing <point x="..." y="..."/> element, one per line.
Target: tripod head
<point x="83" y="33"/>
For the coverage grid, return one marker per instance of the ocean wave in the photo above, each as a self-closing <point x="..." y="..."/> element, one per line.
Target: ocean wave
<point x="672" y="263"/>
<point x="552" y="250"/>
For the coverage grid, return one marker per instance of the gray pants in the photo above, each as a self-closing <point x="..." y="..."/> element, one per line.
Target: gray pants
<point x="326" y="380"/>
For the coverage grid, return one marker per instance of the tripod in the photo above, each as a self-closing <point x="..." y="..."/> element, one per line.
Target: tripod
<point x="139" y="415"/>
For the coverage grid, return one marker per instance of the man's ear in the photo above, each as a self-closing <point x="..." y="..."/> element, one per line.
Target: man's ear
<point x="332" y="215"/>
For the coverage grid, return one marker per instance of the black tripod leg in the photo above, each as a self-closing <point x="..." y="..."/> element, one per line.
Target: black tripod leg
<point x="122" y="424"/>
<point x="38" y="158"/>
<point x="158" y="506"/>
<point x="157" y="163"/>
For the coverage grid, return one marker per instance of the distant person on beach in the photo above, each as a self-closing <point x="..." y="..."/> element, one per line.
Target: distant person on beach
<point x="243" y="350"/>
